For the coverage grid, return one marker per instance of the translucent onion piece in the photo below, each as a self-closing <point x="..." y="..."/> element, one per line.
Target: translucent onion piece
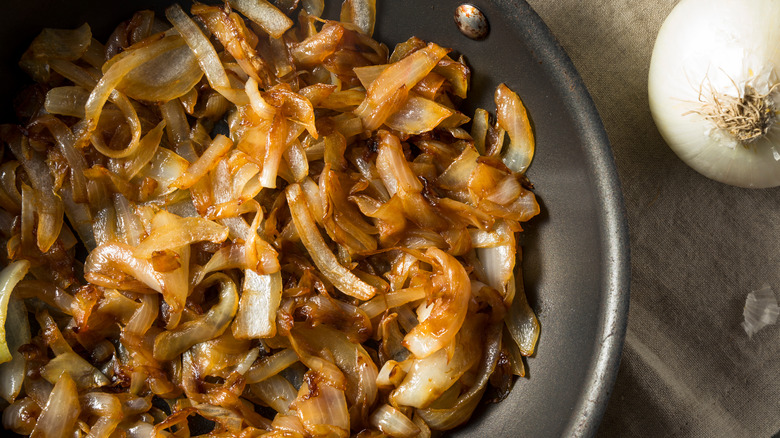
<point x="76" y="367"/>
<point x="389" y="300"/>
<point x="430" y="377"/>
<point x="54" y="44"/>
<point x="323" y="257"/>
<point x="391" y="375"/>
<point x="352" y="359"/>
<point x="21" y="416"/>
<point x="361" y="13"/>
<point x="456" y="176"/>
<point x="259" y="105"/>
<point x="515" y="356"/>
<point x="314" y="7"/>
<point x="270" y="19"/>
<point x="479" y="129"/>
<point x="260" y="297"/>
<point x="169" y="344"/>
<point x="271" y="365"/>
<point x="456" y="73"/>
<point x="165" y="168"/>
<point x="178" y="129"/>
<point x="230" y="29"/>
<point x="58" y="418"/>
<point x="277" y="392"/>
<point x="66" y="101"/>
<point x="391" y="421"/>
<point x="9" y="277"/>
<point x="147" y="149"/>
<point x="204" y="51"/>
<point x="109" y="259"/>
<point x="206" y="162"/>
<point x="66" y="142"/>
<point x="522" y="324"/>
<point x="48" y="204"/>
<point x="114" y="76"/>
<point x="12" y="372"/>
<point x="374" y="115"/>
<point x="418" y="115"/>
<point x="367" y="74"/>
<point x="498" y="260"/>
<point x="10" y="197"/>
<point x="322" y="408"/>
<point x="449" y="301"/>
<point x="177" y="232"/>
<point x="760" y="310"/>
<point x="143" y="317"/>
<point x="448" y="418"/>
<point x="406" y="72"/>
<point x="165" y="77"/>
<point x="511" y="115"/>
<point x="393" y="168"/>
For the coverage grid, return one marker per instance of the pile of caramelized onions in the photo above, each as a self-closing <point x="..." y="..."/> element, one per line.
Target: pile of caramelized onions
<point x="220" y="221"/>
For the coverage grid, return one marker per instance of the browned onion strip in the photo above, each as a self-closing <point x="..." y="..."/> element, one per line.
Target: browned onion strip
<point x="512" y="116"/>
<point x="170" y="231"/>
<point x="108" y="259"/>
<point x="53" y="44"/>
<point x="9" y="278"/>
<point x="311" y="214"/>
<point x="206" y="162"/>
<point x="114" y="76"/>
<point x="330" y="267"/>
<point x="448" y="418"/>
<point x="207" y="56"/>
<point x="271" y="365"/>
<point x="59" y="416"/>
<point x="169" y="344"/>
<point x="450" y="304"/>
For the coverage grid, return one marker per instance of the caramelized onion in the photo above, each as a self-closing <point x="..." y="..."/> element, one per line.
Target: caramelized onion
<point x="170" y="344"/>
<point x="312" y="228"/>
<point x="9" y="277"/>
<point x="58" y="417"/>
<point x="449" y="301"/>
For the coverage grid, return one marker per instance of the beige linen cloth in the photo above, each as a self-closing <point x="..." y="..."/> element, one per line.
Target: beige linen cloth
<point x="697" y="249"/>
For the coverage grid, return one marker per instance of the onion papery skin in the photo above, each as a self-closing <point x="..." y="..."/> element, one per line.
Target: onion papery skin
<point x="722" y="48"/>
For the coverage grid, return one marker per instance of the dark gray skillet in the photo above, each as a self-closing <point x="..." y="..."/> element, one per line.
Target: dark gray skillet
<point x="576" y="253"/>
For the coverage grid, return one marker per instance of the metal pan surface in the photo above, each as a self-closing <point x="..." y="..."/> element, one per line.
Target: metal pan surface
<point x="575" y="253"/>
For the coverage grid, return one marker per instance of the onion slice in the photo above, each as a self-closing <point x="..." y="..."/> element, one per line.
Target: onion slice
<point x="170" y="344"/>
<point x="361" y="13"/>
<point x="391" y="421"/>
<point x="512" y="116"/>
<point x="260" y="297"/>
<point x="9" y="277"/>
<point x="12" y="373"/>
<point x="429" y="377"/>
<point x="270" y="19"/>
<point x="58" y="418"/>
<point x="449" y="300"/>
<point x="323" y="257"/>
<point x="207" y="57"/>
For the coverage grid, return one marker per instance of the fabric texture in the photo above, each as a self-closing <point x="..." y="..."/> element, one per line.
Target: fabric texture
<point x="698" y="247"/>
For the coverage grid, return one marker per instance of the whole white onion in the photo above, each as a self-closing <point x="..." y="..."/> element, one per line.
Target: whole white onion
<point x="714" y="88"/>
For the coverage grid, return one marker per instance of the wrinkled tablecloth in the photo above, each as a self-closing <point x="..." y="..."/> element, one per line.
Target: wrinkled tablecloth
<point x="698" y="248"/>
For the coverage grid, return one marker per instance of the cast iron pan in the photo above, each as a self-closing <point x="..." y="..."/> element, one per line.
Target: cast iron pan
<point x="576" y="253"/>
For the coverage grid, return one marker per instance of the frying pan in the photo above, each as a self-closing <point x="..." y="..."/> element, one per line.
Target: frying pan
<point x="575" y="265"/>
